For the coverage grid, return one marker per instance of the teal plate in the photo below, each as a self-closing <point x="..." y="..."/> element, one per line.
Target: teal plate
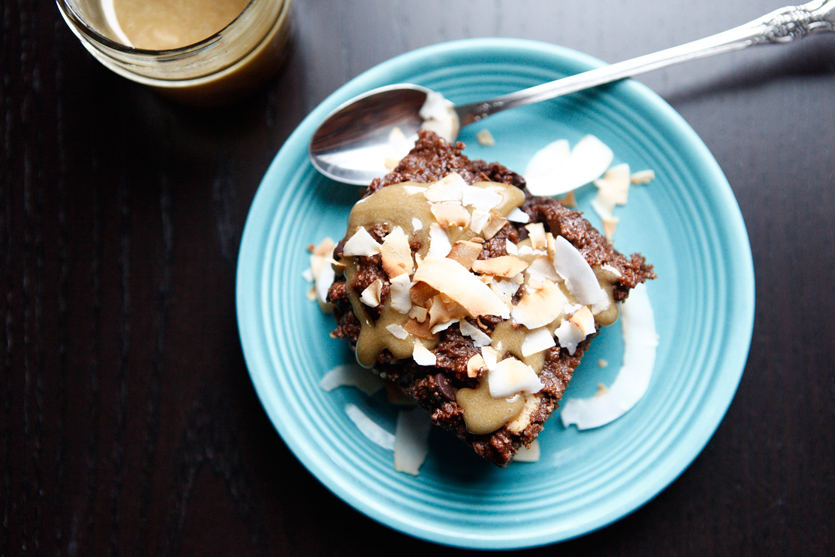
<point x="686" y="222"/>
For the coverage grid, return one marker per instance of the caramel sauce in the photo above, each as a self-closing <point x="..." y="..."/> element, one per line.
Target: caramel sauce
<point x="393" y="206"/>
<point x="397" y="205"/>
<point x="484" y="414"/>
<point x="158" y="25"/>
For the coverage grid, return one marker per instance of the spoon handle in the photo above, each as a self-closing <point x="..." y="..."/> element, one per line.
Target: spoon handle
<point x="780" y="26"/>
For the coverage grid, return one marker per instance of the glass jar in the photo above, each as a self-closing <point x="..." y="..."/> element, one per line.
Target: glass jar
<point x="219" y="69"/>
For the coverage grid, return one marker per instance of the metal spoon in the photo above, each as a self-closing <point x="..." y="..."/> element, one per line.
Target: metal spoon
<point x="352" y="142"/>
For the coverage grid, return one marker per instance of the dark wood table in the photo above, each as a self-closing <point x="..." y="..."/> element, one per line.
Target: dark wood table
<point x="128" y="422"/>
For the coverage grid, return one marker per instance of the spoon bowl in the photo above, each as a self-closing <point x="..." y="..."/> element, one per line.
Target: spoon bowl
<point x="354" y="142"/>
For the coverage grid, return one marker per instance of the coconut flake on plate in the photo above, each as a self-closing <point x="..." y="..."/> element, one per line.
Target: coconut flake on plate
<point x="510" y="377"/>
<point x="485" y="138"/>
<point x="614" y="184"/>
<point x="640" y="341"/>
<point x="368" y="427"/>
<point x="351" y="375"/>
<point x="361" y="243"/>
<point x="528" y="454"/>
<point x="411" y="440"/>
<point x="548" y="158"/>
<point x="643" y="177"/>
<point x="465" y="252"/>
<point x="587" y="161"/>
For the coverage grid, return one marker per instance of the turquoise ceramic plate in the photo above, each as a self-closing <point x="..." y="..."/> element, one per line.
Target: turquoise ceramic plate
<point x="686" y="222"/>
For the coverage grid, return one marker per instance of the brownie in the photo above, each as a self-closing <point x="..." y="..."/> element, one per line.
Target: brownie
<point x="436" y="388"/>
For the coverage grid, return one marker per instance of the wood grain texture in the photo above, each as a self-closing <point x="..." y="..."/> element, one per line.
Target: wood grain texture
<point x="128" y="424"/>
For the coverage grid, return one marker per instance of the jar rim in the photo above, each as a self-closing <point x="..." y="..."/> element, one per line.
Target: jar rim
<point x="82" y="26"/>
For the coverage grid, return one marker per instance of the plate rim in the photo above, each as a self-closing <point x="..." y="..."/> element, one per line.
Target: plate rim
<point x="376" y="76"/>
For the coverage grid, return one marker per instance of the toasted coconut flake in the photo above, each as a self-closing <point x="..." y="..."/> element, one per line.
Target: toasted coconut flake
<point x="439" y="245"/>
<point x="420" y="329"/>
<point x="542" y="269"/>
<point x="444" y="310"/>
<point x="371" y="295"/>
<point x="481" y="199"/>
<point x="461" y="286"/>
<point x="418" y="313"/>
<point x="587" y="161"/>
<point x="422" y="356"/>
<point x="396" y="254"/>
<point x="323" y="278"/>
<point x="495" y="222"/>
<point x="480" y="338"/>
<point x="371" y="429"/>
<point x="584" y="319"/>
<point x="438" y="116"/>
<point x="510" y="247"/>
<point x="536" y="341"/>
<point x="485" y="138"/>
<point x="569" y="336"/>
<point x="540" y="307"/>
<point x="465" y="253"/>
<point x="536" y="233"/>
<point x="414" y="189"/>
<point x="361" y="243"/>
<point x="505" y="290"/>
<point x="511" y="376"/>
<point x="478" y="220"/>
<point x="449" y="188"/>
<point x="578" y="275"/>
<point x="474" y="365"/>
<point x="421" y="293"/>
<point x="602" y="364"/>
<point x="610" y="227"/>
<point x="411" y="440"/>
<point x="505" y="266"/>
<point x="523" y="420"/>
<point x="614" y="184"/>
<point x="450" y="215"/>
<point x="643" y="177"/>
<point x="490" y="356"/>
<point x="417" y="224"/>
<point x="444" y="326"/>
<point x="640" y="342"/>
<point x="397" y="331"/>
<point x="351" y="375"/>
<point x="604" y="208"/>
<point x="528" y="454"/>
<point x="568" y="200"/>
<point x="400" y="294"/>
